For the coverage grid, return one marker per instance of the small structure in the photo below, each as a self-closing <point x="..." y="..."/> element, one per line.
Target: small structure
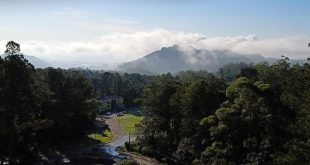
<point x="111" y="104"/>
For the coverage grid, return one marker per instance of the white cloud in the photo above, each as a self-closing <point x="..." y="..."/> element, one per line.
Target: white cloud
<point x="123" y="47"/>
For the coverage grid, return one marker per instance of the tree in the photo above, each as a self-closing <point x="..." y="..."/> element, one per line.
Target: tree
<point x="2" y="117"/>
<point x="264" y="120"/>
<point x="295" y="94"/>
<point x="12" y="48"/>
<point x="72" y="106"/>
<point x="240" y="131"/>
<point x="158" y="130"/>
<point x="19" y="102"/>
<point x="40" y="108"/>
<point x="173" y="110"/>
<point x="230" y="71"/>
<point x="200" y="98"/>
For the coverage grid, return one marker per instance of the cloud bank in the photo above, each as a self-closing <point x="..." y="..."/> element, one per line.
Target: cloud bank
<point x="123" y="47"/>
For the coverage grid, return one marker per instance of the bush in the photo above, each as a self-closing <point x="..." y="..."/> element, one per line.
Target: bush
<point x="126" y="162"/>
<point x="127" y="146"/>
<point x="136" y="148"/>
<point x="146" y="151"/>
<point x="197" y="162"/>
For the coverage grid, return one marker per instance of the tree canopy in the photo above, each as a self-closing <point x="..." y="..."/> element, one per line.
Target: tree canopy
<point x="258" y="116"/>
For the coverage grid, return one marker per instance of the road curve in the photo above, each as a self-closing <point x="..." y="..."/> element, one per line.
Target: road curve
<point x="117" y="131"/>
<point x="120" y="136"/>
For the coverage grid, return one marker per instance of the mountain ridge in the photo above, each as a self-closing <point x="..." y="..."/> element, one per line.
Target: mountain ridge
<point x="35" y="61"/>
<point x="177" y="58"/>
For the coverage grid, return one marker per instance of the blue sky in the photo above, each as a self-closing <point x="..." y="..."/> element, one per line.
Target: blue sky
<point x="49" y="22"/>
<point x="267" y="18"/>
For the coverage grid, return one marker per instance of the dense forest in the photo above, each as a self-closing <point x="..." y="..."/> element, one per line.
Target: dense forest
<point x="258" y="116"/>
<point x="43" y="109"/>
<point x="243" y="114"/>
<point x="40" y="108"/>
<point x="128" y="86"/>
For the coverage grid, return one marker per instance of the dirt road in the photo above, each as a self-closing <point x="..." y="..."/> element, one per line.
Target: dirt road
<point x="117" y="131"/>
<point x="120" y="136"/>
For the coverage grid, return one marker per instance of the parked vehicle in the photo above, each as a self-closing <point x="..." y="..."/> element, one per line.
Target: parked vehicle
<point x="120" y="114"/>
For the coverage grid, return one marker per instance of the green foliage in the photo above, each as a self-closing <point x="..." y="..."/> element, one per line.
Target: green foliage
<point x="242" y="133"/>
<point x="159" y="126"/>
<point x="104" y="137"/>
<point x="230" y="71"/>
<point x="189" y="76"/>
<point x="21" y="103"/>
<point x="126" y="162"/>
<point x="129" y="86"/>
<point x="71" y="102"/>
<point x="263" y="118"/>
<point x="40" y="108"/>
<point x="173" y="110"/>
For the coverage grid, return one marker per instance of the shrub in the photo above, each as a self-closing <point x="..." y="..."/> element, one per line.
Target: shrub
<point x="126" y="162"/>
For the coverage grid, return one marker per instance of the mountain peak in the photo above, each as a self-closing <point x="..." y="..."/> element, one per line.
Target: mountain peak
<point x="177" y="58"/>
<point x="175" y="46"/>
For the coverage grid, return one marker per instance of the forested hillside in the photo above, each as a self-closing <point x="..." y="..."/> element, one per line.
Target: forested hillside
<point x="178" y="58"/>
<point x="260" y="117"/>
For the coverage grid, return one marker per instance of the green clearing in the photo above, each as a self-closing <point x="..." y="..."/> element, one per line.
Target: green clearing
<point x="128" y="122"/>
<point x="105" y="137"/>
<point x="93" y="138"/>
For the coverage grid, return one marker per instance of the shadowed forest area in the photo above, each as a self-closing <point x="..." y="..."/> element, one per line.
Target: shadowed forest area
<point x="260" y="116"/>
<point x="42" y="110"/>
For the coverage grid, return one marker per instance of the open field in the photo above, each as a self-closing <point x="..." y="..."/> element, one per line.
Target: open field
<point x="104" y="137"/>
<point x="128" y="122"/>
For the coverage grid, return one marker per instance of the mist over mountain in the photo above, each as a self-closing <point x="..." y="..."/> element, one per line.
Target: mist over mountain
<point x="176" y="58"/>
<point x="35" y="61"/>
<point x="168" y="59"/>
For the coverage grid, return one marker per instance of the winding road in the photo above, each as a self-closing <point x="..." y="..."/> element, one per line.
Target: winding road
<point x="120" y="136"/>
<point x="106" y="150"/>
<point x="117" y="131"/>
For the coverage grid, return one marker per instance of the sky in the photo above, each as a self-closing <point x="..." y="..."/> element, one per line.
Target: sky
<point x="116" y="31"/>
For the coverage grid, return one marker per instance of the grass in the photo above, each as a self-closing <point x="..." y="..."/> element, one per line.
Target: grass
<point x="104" y="137"/>
<point x="128" y="122"/>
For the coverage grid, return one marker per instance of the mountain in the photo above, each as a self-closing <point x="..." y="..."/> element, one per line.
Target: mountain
<point x="176" y="58"/>
<point x="35" y="61"/>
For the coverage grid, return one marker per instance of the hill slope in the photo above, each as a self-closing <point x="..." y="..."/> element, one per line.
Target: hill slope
<point x="35" y="61"/>
<point x="174" y="59"/>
